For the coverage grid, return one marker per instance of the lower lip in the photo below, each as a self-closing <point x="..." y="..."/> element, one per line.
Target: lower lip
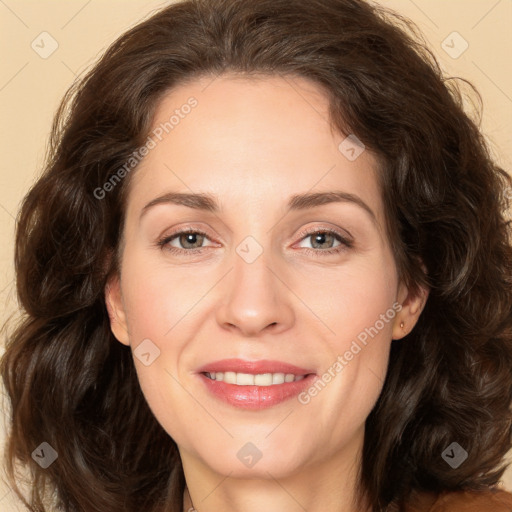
<point x="256" y="397"/>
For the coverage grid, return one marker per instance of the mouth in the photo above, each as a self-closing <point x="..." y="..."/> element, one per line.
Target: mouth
<point x="249" y="379"/>
<point x="254" y="385"/>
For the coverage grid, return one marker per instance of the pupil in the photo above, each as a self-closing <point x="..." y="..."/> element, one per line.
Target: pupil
<point x="190" y="238"/>
<point x="320" y="238"/>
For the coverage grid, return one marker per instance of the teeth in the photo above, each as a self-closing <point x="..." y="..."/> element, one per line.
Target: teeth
<point x="248" y="379"/>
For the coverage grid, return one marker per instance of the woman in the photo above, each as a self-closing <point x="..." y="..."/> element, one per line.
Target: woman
<point x="254" y="368"/>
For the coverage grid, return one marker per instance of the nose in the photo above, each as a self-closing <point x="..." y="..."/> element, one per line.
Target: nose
<point x="255" y="298"/>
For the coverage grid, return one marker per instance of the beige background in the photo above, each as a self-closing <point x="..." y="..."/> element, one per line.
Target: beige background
<point x="31" y="86"/>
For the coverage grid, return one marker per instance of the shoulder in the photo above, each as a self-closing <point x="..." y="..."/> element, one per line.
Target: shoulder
<point x="492" y="500"/>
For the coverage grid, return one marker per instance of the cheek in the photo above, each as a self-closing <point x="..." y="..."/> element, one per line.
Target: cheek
<point x="361" y="312"/>
<point x="364" y="301"/>
<point x="158" y="297"/>
<point x="352" y="299"/>
<point x="158" y="308"/>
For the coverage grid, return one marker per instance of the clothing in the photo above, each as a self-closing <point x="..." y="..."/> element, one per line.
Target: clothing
<point x="495" y="500"/>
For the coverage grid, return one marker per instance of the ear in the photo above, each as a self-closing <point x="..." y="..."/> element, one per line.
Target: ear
<point x="412" y="306"/>
<point x="116" y="310"/>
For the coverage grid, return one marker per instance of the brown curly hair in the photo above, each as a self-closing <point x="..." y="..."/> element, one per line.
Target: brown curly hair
<point x="73" y="385"/>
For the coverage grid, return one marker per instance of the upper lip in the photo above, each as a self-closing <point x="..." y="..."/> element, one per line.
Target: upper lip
<point x="253" y="367"/>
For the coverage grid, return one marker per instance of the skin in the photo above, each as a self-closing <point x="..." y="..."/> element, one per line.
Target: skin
<point x="253" y="143"/>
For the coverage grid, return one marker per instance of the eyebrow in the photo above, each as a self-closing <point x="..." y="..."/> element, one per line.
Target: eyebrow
<point x="208" y="202"/>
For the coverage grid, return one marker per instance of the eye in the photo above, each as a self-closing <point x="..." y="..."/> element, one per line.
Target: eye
<point x="327" y="237"/>
<point x="189" y="240"/>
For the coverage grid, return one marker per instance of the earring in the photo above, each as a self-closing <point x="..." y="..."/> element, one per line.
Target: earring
<point x="402" y="325"/>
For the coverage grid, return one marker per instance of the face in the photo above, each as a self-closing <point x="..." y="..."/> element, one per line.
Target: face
<point x="269" y="271"/>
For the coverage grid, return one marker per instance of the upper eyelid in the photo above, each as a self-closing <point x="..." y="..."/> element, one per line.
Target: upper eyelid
<point x="315" y="229"/>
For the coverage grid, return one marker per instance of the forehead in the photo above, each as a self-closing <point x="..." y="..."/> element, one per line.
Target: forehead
<point x="251" y="139"/>
<point x="262" y="112"/>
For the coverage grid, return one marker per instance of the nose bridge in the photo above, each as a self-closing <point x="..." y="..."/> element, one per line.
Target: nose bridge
<point x="255" y="298"/>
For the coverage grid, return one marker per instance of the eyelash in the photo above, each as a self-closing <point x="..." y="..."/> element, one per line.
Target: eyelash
<point x="344" y="242"/>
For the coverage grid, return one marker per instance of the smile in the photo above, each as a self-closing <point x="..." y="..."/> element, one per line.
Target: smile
<point x="248" y="393"/>
<point x="248" y="379"/>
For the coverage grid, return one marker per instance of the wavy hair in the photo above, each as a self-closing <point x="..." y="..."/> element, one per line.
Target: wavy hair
<point x="71" y="384"/>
